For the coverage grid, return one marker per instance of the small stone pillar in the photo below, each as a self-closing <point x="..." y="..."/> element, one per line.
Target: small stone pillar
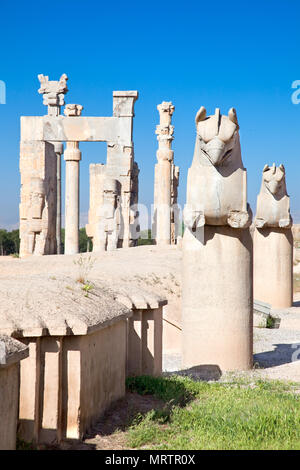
<point x="163" y="175"/>
<point x="53" y="97"/>
<point x="11" y="353"/>
<point x="273" y="241"/>
<point x="217" y="303"/>
<point x="72" y="157"/>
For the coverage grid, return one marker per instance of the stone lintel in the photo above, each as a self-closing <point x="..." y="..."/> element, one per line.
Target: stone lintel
<point x="126" y="94"/>
<point x="79" y="129"/>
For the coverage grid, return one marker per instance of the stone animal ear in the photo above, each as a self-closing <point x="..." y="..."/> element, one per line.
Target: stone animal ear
<point x="266" y="167"/>
<point x="282" y="167"/>
<point x="201" y="115"/>
<point x="233" y="117"/>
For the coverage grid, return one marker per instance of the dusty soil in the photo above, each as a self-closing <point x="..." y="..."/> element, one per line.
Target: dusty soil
<point x="110" y="431"/>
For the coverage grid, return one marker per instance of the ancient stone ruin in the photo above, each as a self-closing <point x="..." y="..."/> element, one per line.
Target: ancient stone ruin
<point x="217" y="250"/>
<point x="273" y="241"/>
<point x="41" y="139"/>
<point x="83" y="323"/>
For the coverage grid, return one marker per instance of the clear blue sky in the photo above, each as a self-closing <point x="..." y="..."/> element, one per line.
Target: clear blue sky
<point x="213" y="53"/>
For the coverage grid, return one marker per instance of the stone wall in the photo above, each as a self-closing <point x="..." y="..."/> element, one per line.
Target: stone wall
<point x="68" y="382"/>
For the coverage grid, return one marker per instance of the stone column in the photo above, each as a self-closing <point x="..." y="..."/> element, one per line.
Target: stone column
<point x="273" y="241"/>
<point x="53" y="97"/>
<point x="163" y="175"/>
<point x="72" y="157"/>
<point x="217" y="302"/>
<point x="176" y="229"/>
<point x="59" y="150"/>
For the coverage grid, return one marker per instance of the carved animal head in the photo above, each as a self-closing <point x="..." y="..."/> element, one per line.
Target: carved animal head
<point x="53" y="86"/>
<point x="274" y="179"/>
<point x="217" y="134"/>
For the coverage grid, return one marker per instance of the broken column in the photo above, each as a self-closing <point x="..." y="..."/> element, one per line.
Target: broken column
<point x="175" y="211"/>
<point x="53" y="97"/>
<point x="273" y="241"/>
<point x="217" y="251"/>
<point x="163" y="175"/>
<point x="72" y="157"/>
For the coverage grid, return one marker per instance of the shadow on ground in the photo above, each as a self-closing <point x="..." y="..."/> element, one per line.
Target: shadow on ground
<point x="282" y="354"/>
<point x="109" y="431"/>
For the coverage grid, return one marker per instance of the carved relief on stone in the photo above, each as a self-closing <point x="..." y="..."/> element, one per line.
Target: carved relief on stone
<point x="273" y="202"/>
<point x="33" y="225"/>
<point x="217" y="187"/>
<point x="109" y="215"/>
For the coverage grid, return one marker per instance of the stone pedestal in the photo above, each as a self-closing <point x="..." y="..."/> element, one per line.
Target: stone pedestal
<point x="273" y="266"/>
<point x="72" y="157"/>
<point x="217" y="271"/>
<point x="217" y="299"/>
<point x="163" y="203"/>
<point x="273" y="241"/>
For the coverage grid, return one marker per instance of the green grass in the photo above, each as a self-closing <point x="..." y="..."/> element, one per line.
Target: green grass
<point x="201" y="415"/>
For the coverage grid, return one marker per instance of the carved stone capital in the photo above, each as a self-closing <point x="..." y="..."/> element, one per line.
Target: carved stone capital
<point x="53" y="93"/>
<point x="72" y="152"/>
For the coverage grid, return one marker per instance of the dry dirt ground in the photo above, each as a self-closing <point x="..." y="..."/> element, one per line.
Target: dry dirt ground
<point x="110" y="431"/>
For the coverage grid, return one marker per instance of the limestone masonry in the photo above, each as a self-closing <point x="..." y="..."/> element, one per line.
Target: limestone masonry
<point x="217" y="250"/>
<point x="40" y="158"/>
<point x="273" y="241"/>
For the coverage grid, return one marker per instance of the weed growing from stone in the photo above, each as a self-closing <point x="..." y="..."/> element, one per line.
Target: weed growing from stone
<point x="85" y="264"/>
